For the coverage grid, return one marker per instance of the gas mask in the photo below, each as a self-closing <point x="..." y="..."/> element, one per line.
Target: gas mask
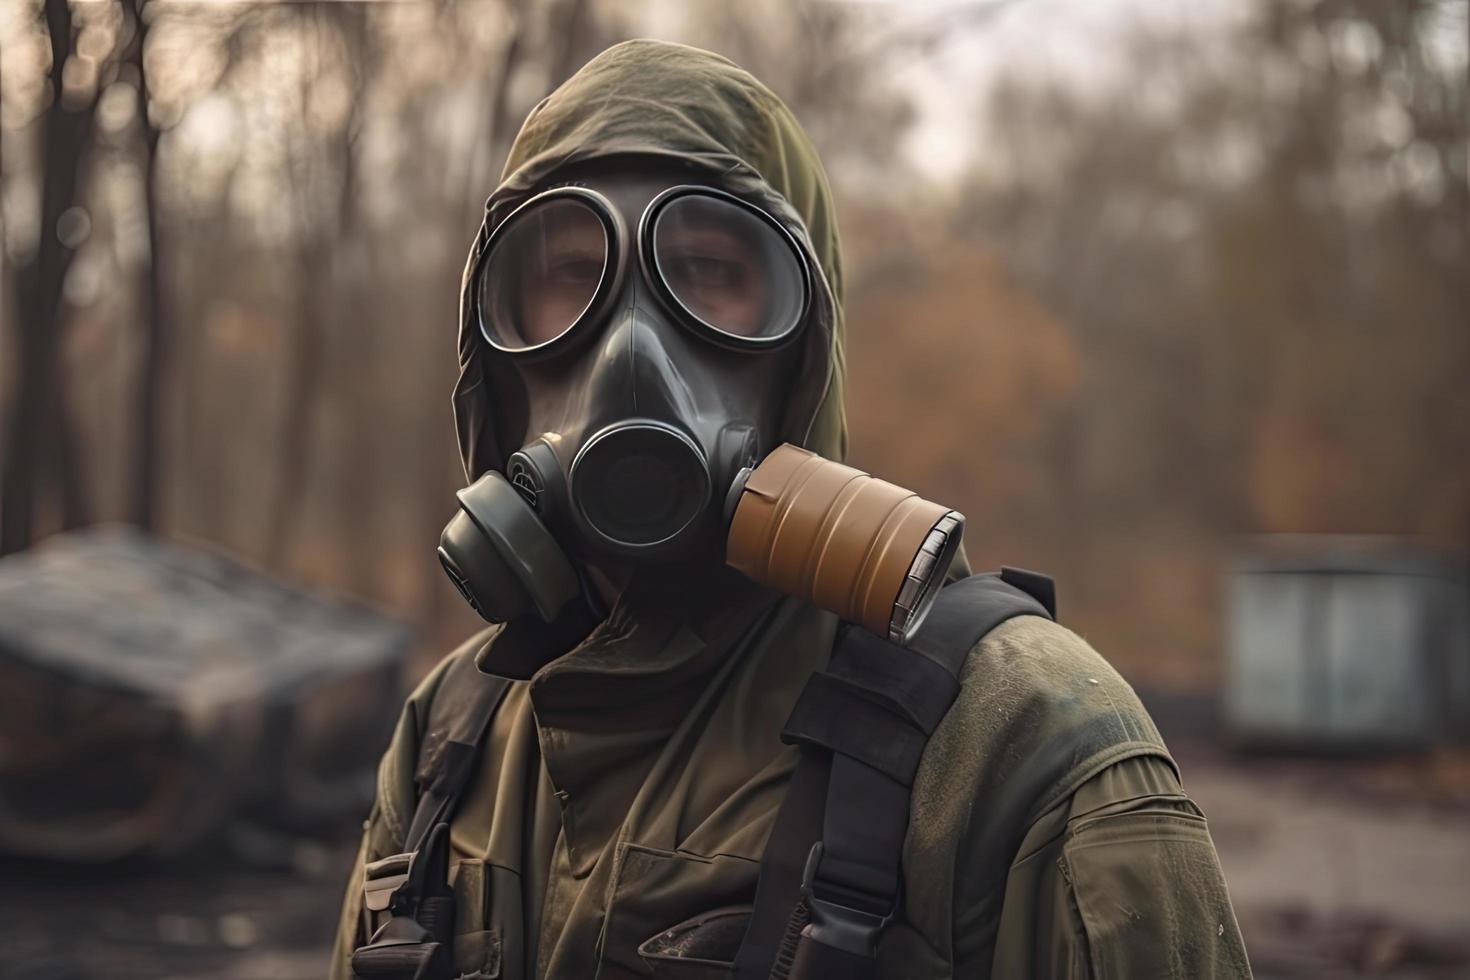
<point x="641" y="341"/>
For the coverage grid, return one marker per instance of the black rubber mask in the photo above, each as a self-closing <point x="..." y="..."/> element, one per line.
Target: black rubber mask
<point x="640" y="334"/>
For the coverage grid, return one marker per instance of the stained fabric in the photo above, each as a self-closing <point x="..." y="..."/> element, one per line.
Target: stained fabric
<point x="628" y="787"/>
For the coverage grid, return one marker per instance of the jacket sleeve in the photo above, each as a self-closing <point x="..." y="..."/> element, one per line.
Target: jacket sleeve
<point x="1120" y="880"/>
<point x="387" y="823"/>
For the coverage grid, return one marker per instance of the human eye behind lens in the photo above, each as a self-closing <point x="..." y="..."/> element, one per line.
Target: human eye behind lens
<point x="574" y="269"/>
<point x="710" y="272"/>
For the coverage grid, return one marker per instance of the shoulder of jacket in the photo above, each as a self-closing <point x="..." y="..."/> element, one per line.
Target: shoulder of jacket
<point x="1046" y="657"/>
<point x="421" y="701"/>
<point x="1039" y="712"/>
<point x="1040" y="687"/>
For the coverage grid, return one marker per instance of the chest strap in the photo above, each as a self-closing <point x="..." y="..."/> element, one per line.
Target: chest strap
<point x="831" y="876"/>
<point x="408" y="906"/>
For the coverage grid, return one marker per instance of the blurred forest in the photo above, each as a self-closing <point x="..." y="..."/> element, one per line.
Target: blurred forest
<point x="1218" y="289"/>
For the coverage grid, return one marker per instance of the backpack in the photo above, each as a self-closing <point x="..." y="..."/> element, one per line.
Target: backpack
<point x="830" y="875"/>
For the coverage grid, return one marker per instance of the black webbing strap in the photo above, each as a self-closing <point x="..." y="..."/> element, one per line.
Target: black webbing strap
<point x="783" y="864"/>
<point x="863" y="724"/>
<point x="449" y="760"/>
<point x="408" y="904"/>
<point x="459" y="717"/>
<point x="966" y="611"/>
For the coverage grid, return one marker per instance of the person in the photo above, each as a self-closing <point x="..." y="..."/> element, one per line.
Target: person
<point x="654" y="303"/>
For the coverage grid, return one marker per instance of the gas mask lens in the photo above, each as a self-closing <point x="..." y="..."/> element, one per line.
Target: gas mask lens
<point x="732" y="270"/>
<point x="543" y="272"/>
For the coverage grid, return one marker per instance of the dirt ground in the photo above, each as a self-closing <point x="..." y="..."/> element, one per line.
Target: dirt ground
<point x="1338" y="869"/>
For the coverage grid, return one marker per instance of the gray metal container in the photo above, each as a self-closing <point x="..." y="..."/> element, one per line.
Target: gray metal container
<point x="1346" y="643"/>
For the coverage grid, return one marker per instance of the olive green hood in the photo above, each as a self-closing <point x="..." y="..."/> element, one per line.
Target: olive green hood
<point x="674" y="102"/>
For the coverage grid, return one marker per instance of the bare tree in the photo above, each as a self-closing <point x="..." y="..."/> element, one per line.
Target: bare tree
<point x="306" y="361"/>
<point x="157" y="330"/>
<point x="41" y="450"/>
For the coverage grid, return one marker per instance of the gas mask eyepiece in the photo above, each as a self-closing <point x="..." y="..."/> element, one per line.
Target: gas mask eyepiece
<point x="726" y="269"/>
<point x="547" y="266"/>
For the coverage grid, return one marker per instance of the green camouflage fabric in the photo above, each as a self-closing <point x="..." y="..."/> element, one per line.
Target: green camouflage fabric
<point x="631" y="783"/>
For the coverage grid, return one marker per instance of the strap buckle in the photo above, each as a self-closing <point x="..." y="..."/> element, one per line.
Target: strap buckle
<point x="382" y="880"/>
<point x="407" y="884"/>
<point x="838" y="924"/>
<point x="409" y="910"/>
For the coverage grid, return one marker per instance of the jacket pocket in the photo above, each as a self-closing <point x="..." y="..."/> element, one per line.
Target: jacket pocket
<point x="1151" y="898"/>
<point x="653" y="894"/>
<point x="487" y="921"/>
<point x="700" y="948"/>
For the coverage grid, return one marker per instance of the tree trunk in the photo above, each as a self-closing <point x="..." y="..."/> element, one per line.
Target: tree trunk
<point x="40" y="449"/>
<point x="147" y="437"/>
<point x="306" y="354"/>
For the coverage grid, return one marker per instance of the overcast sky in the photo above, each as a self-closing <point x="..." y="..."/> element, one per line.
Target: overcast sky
<point x="1077" y="41"/>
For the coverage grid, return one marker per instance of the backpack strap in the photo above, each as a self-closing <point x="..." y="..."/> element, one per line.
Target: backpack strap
<point x="459" y="720"/>
<point x="408" y="907"/>
<point x="831" y="875"/>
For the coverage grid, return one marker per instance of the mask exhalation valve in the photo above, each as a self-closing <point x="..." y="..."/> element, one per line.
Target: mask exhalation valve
<point x="639" y="484"/>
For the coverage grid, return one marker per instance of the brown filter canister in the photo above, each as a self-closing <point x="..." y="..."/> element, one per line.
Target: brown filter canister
<point x="874" y="553"/>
